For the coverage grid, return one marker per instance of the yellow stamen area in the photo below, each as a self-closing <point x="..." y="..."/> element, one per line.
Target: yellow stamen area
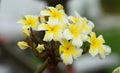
<point x="52" y="31"/>
<point x="75" y="30"/>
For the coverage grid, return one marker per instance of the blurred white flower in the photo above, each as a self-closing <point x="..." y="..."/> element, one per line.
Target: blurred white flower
<point x="117" y="70"/>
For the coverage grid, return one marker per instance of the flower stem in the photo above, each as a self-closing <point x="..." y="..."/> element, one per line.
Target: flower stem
<point x="42" y="67"/>
<point x="70" y="69"/>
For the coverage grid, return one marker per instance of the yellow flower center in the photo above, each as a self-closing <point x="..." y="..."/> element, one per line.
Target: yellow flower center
<point x="76" y="20"/>
<point x="29" y="22"/>
<point x="75" y="30"/>
<point x="95" y="43"/>
<point x="56" y="14"/>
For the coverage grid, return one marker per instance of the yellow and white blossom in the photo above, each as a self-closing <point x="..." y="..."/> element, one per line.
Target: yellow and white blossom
<point x="86" y="25"/>
<point x="97" y="46"/>
<point x="23" y="45"/>
<point x="69" y="52"/>
<point x="29" y="21"/>
<point x="40" y="48"/>
<point x="56" y="15"/>
<point x="52" y="32"/>
<point x="117" y="70"/>
<point x="74" y="33"/>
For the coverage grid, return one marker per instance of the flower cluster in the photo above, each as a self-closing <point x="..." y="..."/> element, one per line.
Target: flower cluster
<point x="60" y="37"/>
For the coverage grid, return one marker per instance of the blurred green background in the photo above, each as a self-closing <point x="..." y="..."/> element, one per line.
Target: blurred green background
<point x="111" y="6"/>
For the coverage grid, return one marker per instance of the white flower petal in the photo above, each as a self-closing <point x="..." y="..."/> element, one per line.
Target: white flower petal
<point x="67" y="60"/>
<point x="100" y="38"/>
<point x="65" y="20"/>
<point x="77" y="42"/>
<point x="84" y="37"/>
<point x="78" y="53"/>
<point x="107" y="49"/>
<point x="53" y="21"/>
<point x="91" y="24"/>
<point x="67" y="34"/>
<point x="93" y="51"/>
<point x="58" y="36"/>
<point x="51" y="8"/>
<point x="42" y="27"/>
<point x="45" y="13"/>
<point x="48" y="36"/>
<point x="77" y="15"/>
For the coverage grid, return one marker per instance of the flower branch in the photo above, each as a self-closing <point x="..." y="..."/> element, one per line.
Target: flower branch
<point x="57" y="37"/>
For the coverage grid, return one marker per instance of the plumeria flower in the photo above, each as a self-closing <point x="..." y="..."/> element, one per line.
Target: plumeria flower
<point x="29" y="21"/>
<point x="56" y="15"/>
<point x="97" y="46"/>
<point x="86" y="25"/>
<point x="40" y="48"/>
<point x="117" y="70"/>
<point x="64" y="34"/>
<point x="52" y="32"/>
<point x="23" y="45"/>
<point x="69" y="52"/>
<point x="74" y="33"/>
